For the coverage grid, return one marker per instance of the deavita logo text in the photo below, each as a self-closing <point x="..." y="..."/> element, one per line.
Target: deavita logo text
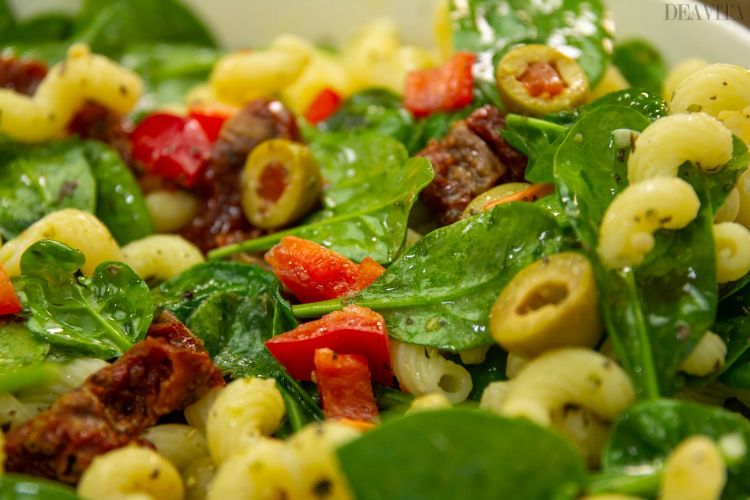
<point x="705" y="12"/>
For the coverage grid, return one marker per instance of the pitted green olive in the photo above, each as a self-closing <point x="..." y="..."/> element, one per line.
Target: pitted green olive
<point x="551" y="303"/>
<point x="280" y="183"/>
<point x="538" y="80"/>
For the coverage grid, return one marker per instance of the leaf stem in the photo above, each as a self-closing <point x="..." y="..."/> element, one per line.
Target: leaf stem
<point x="645" y="483"/>
<point x="649" y="373"/>
<point x="293" y="410"/>
<point x="514" y="119"/>
<point x="316" y="309"/>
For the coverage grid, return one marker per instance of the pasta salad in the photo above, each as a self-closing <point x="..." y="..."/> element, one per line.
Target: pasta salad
<point x="512" y="265"/>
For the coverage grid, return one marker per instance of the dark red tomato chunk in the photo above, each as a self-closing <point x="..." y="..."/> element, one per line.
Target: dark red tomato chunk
<point x="9" y="303"/>
<point x="325" y="104"/>
<point x="447" y="88"/>
<point x="173" y="147"/>
<point x="21" y="75"/>
<point x="345" y="387"/>
<point x="313" y="273"/>
<point x="541" y="78"/>
<point x="353" y="330"/>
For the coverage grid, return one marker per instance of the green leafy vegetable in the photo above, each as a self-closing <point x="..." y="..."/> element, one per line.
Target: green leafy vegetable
<point x="20" y="487"/>
<point x="641" y="64"/>
<point x="650" y="104"/>
<point x="102" y="315"/>
<point x="656" y="313"/>
<point x="733" y="326"/>
<point x="41" y="179"/>
<point x="538" y="140"/>
<point x="373" y="186"/>
<point x="646" y="434"/>
<point x="19" y="346"/>
<point x="490" y="370"/>
<point x="490" y="27"/>
<point x="440" y="291"/>
<point x="46" y="27"/>
<point x="23" y="377"/>
<point x="461" y="454"/>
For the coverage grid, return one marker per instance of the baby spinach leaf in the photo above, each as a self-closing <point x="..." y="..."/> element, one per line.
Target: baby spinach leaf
<point x="45" y="27"/>
<point x="7" y="22"/>
<point x="19" y="346"/>
<point x="21" y="487"/>
<point x="646" y="434"/>
<point x="372" y="187"/>
<point x="440" y="291"/>
<point x="23" y="377"/>
<point x="648" y="103"/>
<point x="733" y="326"/>
<point x="491" y="27"/>
<point x="641" y="64"/>
<point x="39" y="179"/>
<point x="538" y="140"/>
<point x="461" y="454"/>
<point x="102" y="315"/>
<point x="110" y="26"/>
<point x="120" y="204"/>
<point x="490" y="370"/>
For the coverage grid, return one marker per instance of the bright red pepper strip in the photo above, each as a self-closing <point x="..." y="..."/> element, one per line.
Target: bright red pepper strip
<point x="344" y="386"/>
<point x="313" y="273"/>
<point x="447" y="88"/>
<point x="9" y="303"/>
<point x="325" y="104"/>
<point x="353" y="330"/>
<point x="173" y="147"/>
<point x="211" y="120"/>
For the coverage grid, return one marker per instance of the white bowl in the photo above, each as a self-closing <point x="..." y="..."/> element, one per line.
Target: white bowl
<point x="243" y="23"/>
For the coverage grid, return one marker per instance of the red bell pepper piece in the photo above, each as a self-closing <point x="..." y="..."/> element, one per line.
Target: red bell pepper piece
<point x="211" y="119"/>
<point x="325" y="104"/>
<point x="9" y="303"/>
<point x="446" y="88"/>
<point x="344" y="386"/>
<point x="313" y="273"/>
<point x="353" y="330"/>
<point x="173" y="147"/>
<point x="542" y="78"/>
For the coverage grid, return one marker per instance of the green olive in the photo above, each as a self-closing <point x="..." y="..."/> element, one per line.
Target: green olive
<point x="549" y="304"/>
<point x="478" y="204"/>
<point x="538" y="80"/>
<point x="281" y="182"/>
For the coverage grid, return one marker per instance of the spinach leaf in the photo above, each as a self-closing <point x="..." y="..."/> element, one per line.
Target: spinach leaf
<point x="39" y="179"/>
<point x="120" y="204"/>
<point x="19" y="346"/>
<point x="46" y="27"/>
<point x="733" y="326"/>
<point x="538" y="140"/>
<point x="478" y="455"/>
<point x="490" y="370"/>
<point x="648" y="432"/>
<point x="102" y="315"/>
<point x="656" y="313"/>
<point x="234" y="308"/>
<point x="21" y="487"/>
<point x="491" y="27"/>
<point x="23" y="377"/>
<point x="440" y="291"/>
<point x="110" y="26"/>
<point x="650" y="104"/>
<point x="372" y="189"/>
<point x="7" y="22"/>
<point x="641" y="64"/>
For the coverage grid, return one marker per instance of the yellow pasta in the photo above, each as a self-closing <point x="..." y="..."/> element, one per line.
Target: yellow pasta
<point x="244" y="411"/>
<point x="131" y="472"/>
<point x="197" y="413"/>
<point x="197" y="478"/>
<point x="712" y="89"/>
<point x="323" y="71"/>
<point x="743" y="189"/>
<point x="178" y="443"/>
<point x="707" y="357"/>
<point x="514" y="363"/>
<point x="584" y="430"/>
<point x="732" y="242"/>
<point x="493" y="396"/>
<point x="13" y="412"/>
<point x="571" y="376"/>
<point x="422" y="370"/>
<point x="75" y="228"/>
<point x="161" y="256"/>
<point x="611" y="82"/>
<point x="730" y="209"/>
<point x="626" y="232"/>
<point x="671" y="141"/>
<point x="435" y="401"/>
<point x="693" y="471"/>
<point x="171" y="210"/>
<point x="82" y="76"/>
<point x="473" y="356"/>
<point x="677" y="74"/>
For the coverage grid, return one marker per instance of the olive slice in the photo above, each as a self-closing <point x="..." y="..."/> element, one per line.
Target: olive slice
<point x="281" y="182"/>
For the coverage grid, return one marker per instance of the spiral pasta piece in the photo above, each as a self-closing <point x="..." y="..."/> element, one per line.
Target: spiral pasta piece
<point x="671" y="141"/>
<point x="180" y="444"/>
<point x="426" y="402"/>
<point x="422" y="370"/>
<point x="171" y="210"/>
<point x="626" y="231"/>
<point x="707" y="357"/>
<point x="571" y="376"/>
<point x="75" y="228"/>
<point x="732" y="242"/>
<point x="131" y="472"/>
<point x="678" y="73"/>
<point x="82" y="76"/>
<point x="244" y="411"/>
<point x="694" y="470"/>
<point x="161" y="256"/>
<point x="730" y="209"/>
<point x="712" y="89"/>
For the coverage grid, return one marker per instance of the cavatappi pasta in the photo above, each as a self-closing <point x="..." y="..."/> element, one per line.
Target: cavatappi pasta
<point x="161" y="256"/>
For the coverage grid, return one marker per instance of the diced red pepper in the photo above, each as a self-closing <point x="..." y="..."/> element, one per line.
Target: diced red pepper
<point x="211" y="119"/>
<point x="173" y="147"/>
<point x="9" y="303"/>
<point x="313" y="273"/>
<point x="325" y="104"/>
<point x="353" y="330"/>
<point x="540" y="78"/>
<point x="345" y="387"/>
<point x="447" y="88"/>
